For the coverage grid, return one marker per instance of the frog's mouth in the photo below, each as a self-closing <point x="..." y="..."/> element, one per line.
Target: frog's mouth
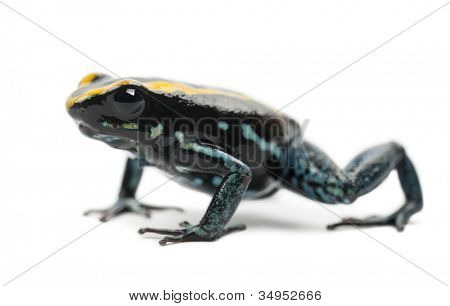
<point x="116" y="142"/>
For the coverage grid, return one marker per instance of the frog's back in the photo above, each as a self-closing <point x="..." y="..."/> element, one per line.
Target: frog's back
<point x="215" y="99"/>
<point x="228" y="107"/>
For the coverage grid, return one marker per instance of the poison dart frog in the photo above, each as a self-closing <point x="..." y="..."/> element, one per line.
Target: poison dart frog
<point x="229" y="145"/>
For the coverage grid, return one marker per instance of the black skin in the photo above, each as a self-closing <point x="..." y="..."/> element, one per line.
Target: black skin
<point x="232" y="147"/>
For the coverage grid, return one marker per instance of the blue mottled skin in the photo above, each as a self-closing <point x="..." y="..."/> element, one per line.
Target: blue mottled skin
<point x="230" y="146"/>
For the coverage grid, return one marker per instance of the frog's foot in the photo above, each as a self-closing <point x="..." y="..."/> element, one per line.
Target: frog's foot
<point x="124" y="205"/>
<point x="399" y="219"/>
<point x="189" y="233"/>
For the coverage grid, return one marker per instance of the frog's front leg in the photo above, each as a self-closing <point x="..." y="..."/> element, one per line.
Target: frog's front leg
<point x="127" y="201"/>
<point x="196" y="157"/>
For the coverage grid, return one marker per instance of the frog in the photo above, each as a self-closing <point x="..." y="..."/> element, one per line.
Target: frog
<point x="228" y="145"/>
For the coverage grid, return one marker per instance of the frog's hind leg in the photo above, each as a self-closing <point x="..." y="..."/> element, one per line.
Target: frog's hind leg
<point x="369" y="169"/>
<point x="127" y="201"/>
<point x="317" y="177"/>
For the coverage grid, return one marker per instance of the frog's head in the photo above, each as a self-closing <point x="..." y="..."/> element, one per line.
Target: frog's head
<point x="108" y="109"/>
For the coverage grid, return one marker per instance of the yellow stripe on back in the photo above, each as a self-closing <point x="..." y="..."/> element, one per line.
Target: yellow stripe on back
<point x="171" y="87"/>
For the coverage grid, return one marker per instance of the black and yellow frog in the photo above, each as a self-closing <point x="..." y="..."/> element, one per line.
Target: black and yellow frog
<point x="229" y="145"/>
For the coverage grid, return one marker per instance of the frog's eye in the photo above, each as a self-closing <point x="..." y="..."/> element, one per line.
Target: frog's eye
<point x="128" y="103"/>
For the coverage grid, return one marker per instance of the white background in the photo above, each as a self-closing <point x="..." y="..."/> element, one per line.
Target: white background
<point x="273" y="51"/>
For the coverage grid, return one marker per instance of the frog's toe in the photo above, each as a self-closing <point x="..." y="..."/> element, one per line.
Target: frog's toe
<point x="398" y="219"/>
<point x="179" y="235"/>
<point x="195" y="233"/>
<point x="366" y="222"/>
<point x="189" y="233"/>
<point x="106" y="214"/>
<point x="94" y="211"/>
<point x="146" y="210"/>
<point x="124" y="205"/>
<point x="188" y="236"/>
<point x="151" y="207"/>
<point x="160" y="231"/>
